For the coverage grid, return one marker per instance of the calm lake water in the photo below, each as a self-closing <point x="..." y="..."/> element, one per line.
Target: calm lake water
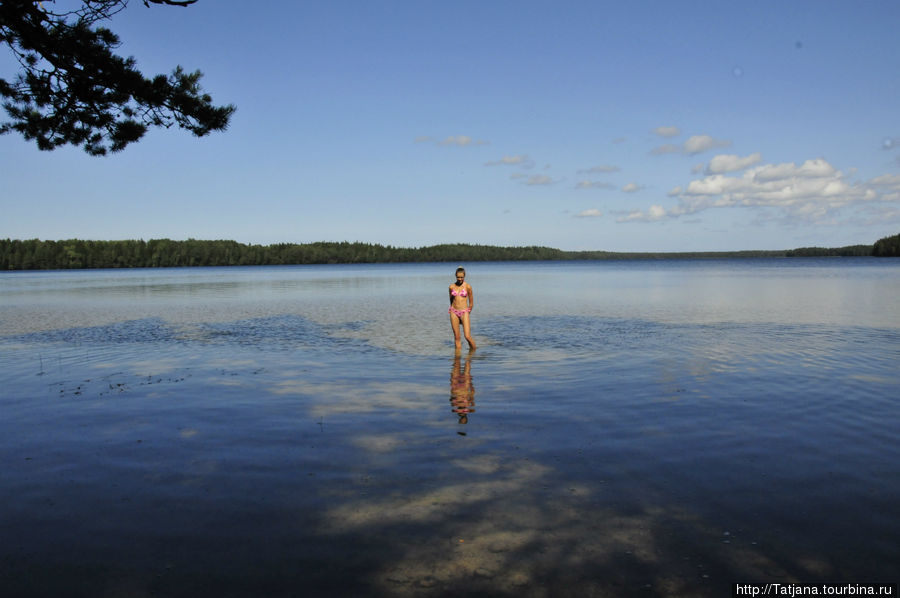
<point x="649" y="428"/>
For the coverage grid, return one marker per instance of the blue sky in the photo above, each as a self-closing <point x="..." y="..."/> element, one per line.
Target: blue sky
<point x="628" y="126"/>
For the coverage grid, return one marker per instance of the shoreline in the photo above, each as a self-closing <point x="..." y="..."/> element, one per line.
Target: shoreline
<point x="76" y="254"/>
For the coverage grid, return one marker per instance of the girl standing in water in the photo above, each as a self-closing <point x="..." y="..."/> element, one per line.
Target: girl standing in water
<point x="462" y="300"/>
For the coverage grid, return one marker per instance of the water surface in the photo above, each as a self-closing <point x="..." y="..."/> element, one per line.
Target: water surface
<point x="638" y="428"/>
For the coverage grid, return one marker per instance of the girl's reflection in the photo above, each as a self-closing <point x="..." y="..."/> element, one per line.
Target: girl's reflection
<point x="462" y="391"/>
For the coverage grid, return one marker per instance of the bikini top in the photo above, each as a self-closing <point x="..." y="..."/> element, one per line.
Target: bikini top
<point x="461" y="293"/>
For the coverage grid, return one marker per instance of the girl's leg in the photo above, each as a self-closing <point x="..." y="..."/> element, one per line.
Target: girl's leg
<point x="454" y="325"/>
<point x="467" y="332"/>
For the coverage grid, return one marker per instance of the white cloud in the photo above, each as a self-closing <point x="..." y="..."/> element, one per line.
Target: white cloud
<point x="521" y="160"/>
<point x="454" y="140"/>
<point x="887" y="187"/>
<point x="666" y="149"/>
<point x="702" y="143"/>
<point x="631" y="188"/>
<point x="594" y="185"/>
<point x="731" y="163"/>
<point x="878" y="215"/>
<point x="667" y="131"/>
<point x="886" y="180"/>
<point x="602" y="169"/>
<point x="461" y="141"/>
<point x="655" y="212"/>
<point x="694" y="145"/>
<point x="810" y="169"/>
<point x="814" y="191"/>
<point x="591" y="213"/>
<point x="540" y="179"/>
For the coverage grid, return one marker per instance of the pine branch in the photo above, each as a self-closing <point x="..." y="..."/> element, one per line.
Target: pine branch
<point x="74" y="89"/>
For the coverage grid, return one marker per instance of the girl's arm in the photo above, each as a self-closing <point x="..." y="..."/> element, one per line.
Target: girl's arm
<point x="471" y="297"/>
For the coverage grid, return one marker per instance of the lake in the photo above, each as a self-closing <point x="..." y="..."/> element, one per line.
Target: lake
<point x="648" y="428"/>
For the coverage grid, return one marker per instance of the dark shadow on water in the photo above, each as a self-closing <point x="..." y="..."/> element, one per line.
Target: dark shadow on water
<point x="494" y="526"/>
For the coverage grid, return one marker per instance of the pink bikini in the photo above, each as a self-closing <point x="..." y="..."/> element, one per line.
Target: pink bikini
<point x="459" y="312"/>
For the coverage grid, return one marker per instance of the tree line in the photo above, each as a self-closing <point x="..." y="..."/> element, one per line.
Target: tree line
<point x="36" y="254"/>
<point x="887" y="247"/>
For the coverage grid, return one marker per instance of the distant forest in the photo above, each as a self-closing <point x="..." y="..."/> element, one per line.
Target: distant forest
<point x="35" y="254"/>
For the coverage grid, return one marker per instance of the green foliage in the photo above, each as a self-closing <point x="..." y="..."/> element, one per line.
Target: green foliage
<point x="848" y="251"/>
<point x="73" y="89"/>
<point x="887" y="247"/>
<point x="35" y="254"/>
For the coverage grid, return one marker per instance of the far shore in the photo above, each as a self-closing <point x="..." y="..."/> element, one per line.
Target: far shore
<point x="76" y="254"/>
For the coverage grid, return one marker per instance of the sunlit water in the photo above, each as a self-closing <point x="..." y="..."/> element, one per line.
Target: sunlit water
<point x="647" y="428"/>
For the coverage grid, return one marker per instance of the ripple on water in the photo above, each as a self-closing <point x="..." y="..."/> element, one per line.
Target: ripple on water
<point x="276" y="332"/>
<point x="574" y="334"/>
<point x="148" y="330"/>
